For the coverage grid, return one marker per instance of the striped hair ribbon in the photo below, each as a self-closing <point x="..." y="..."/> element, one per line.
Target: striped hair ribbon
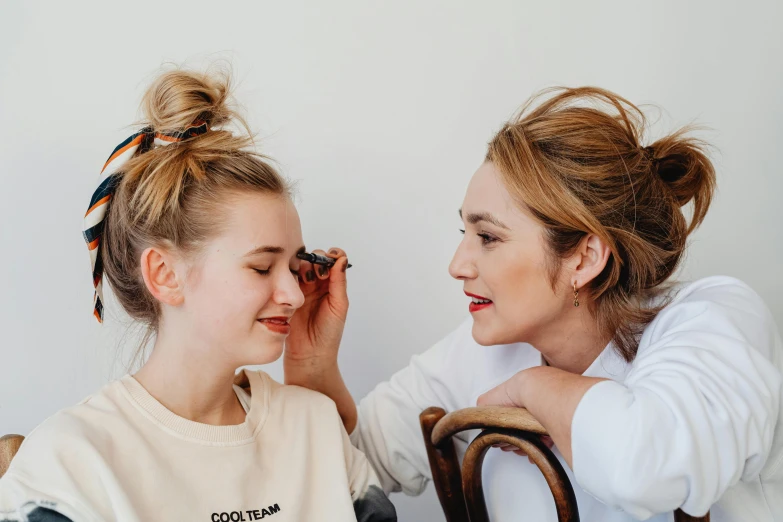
<point x="110" y="177"/>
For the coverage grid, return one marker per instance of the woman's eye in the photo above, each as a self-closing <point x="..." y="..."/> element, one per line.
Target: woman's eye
<point x="486" y="238"/>
<point x="296" y="274"/>
<point x="262" y="272"/>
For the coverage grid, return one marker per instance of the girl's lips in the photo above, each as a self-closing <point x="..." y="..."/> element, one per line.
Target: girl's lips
<point x="276" y="324"/>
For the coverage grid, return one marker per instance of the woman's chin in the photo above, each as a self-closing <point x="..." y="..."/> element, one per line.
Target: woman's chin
<point x="485" y="336"/>
<point x="492" y="335"/>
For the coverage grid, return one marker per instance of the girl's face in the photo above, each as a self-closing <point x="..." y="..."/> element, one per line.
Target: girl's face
<point x="502" y="262"/>
<point x="242" y="289"/>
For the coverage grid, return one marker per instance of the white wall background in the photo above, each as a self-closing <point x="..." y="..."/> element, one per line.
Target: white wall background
<point x="381" y="110"/>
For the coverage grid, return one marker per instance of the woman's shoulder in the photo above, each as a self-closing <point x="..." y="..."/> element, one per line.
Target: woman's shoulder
<point x="713" y="307"/>
<point x="719" y="289"/>
<point x="715" y="296"/>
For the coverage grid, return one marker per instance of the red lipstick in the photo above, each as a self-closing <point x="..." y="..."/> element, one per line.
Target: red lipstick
<point x="276" y="324"/>
<point x="477" y="306"/>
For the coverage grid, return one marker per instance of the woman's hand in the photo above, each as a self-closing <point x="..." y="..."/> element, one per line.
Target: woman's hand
<point x="547" y="440"/>
<point x="510" y="394"/>
<point x="310" y="358"/>
<point x="549" y="394"/>
<point x="317" y="327"/>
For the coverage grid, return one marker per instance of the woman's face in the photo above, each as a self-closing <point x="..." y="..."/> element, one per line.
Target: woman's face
<point x="502" y="263"/>
<point x="243" y="288"/>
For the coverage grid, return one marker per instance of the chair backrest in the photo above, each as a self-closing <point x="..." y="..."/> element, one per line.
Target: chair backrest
<point x="9" y="445"/>
<point x="460" y="490"/>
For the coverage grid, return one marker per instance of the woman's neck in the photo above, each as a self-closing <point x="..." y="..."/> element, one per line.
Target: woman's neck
<point x="190" y="386"/>
<point x="573" y="342"/>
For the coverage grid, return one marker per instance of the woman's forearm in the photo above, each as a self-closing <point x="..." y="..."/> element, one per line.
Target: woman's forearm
<point x="325" y="379"/>
<point x="550" y="395"/>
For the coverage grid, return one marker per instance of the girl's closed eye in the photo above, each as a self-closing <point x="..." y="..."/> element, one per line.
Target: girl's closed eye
<point x="266" y="271"/>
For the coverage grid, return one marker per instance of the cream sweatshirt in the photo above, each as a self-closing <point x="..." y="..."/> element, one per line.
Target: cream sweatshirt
<point x="121" y="455"/>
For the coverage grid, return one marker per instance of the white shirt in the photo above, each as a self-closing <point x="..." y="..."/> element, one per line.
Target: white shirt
<point x="692" y="422"/>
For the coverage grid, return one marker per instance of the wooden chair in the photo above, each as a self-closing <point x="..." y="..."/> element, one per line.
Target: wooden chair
<point x="9" y="445"/>
<point x="460" y="491"/>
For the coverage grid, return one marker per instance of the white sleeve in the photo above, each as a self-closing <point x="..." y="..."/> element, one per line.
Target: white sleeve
<point x="697" y="411"/>
<point x="370" y="503"/>
<point x="388" y="431"/>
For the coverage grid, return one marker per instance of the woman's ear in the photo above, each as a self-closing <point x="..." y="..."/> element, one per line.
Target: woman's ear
<point x="590" y="259"/>
<point x="160" y="276"/>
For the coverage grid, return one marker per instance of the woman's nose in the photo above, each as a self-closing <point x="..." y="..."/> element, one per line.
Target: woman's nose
<point x="462" y="265"/>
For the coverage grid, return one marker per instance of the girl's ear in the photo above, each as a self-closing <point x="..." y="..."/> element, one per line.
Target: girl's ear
<point x="160" y="276"/>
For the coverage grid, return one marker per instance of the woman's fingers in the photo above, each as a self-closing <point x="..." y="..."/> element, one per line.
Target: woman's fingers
<point x="307" y="272"/>
<point x="546" y="439"/>
<point x="504" y="394"/>
<point x="336" y="252"/>
<point x="319" y="280"/>
<point x="509" y="447"/>
<point x="338" y="282"/>
<point x="311" y="273"/>
<point x="321" y="271"/>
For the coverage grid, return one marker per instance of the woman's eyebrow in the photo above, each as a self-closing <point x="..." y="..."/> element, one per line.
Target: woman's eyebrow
<point x="477" y="217"/>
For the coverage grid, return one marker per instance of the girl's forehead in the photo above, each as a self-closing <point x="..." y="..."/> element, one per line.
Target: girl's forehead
<point x="262" y="220"/>
<point x="261" y="211"/>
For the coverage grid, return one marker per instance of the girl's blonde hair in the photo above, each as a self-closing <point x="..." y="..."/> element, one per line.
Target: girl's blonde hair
<point x="175" y="196"/>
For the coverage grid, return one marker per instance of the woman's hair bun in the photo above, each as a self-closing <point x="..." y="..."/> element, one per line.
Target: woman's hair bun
<point x="682" y="163"/>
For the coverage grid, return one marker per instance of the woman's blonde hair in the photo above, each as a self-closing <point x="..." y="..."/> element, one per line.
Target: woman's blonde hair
<point x="574" y="158"/>
<point x="175" y="196"/>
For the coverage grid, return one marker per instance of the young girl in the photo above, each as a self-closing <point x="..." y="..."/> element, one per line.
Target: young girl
<point x="198" y="237"/>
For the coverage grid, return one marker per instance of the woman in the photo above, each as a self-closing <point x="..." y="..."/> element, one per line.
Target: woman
<point x="656" y="395"/>
<point x="198" y="238"/>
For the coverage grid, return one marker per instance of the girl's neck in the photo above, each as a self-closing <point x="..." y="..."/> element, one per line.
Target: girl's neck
<point x="189" y="385"/>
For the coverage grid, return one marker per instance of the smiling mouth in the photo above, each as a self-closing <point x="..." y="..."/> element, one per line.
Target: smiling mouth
<point x="478" y="302"/>
<point x="276" y="324"/>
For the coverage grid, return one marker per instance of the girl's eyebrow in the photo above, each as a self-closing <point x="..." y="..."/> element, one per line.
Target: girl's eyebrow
<point x="265" y="250"/>
<point x="272" y="250"/>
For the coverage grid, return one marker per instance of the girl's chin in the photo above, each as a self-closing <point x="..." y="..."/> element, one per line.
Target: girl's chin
<point x="266" y="352"/>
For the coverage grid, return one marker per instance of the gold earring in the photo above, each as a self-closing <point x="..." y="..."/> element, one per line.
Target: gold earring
<point x="576" y="295"/>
